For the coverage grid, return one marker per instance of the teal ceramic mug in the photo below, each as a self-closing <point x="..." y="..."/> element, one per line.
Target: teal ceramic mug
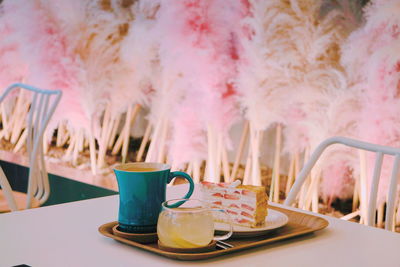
<point x="142" y="189"/>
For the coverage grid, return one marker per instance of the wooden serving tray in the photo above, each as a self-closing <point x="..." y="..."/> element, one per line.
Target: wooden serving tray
<point x="299" y="224"/>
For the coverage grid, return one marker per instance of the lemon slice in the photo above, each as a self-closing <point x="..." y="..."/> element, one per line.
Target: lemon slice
<point x="182" y="243"/>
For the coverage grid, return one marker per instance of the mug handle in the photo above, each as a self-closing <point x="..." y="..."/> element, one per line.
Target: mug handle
<point x="172" y="175"/>
<point x="228" y="221"/>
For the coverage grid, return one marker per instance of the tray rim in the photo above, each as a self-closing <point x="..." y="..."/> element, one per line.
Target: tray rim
<point x="207" y="255"/>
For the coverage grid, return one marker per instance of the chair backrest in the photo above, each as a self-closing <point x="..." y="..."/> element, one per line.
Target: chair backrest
<point x="380" y="152"/>
<point x="42" y="107"/>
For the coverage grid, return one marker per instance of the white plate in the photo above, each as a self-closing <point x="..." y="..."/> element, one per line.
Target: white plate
<point x="274" y="220"/>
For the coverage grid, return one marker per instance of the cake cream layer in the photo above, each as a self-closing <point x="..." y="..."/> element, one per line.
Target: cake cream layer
<point x="246" y="205"/>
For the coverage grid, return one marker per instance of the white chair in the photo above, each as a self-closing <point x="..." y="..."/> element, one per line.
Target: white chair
<point x="43" y="105"/>
<point x="380" y="152"/>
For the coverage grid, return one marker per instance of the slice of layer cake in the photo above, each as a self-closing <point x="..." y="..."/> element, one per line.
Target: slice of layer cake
<point x="246" y="204"/>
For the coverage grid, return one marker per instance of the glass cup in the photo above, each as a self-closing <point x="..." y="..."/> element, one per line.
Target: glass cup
<point x="189" y="226"/>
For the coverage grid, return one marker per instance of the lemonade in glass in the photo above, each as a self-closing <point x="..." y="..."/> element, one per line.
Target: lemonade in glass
<point x="189" y="226"/>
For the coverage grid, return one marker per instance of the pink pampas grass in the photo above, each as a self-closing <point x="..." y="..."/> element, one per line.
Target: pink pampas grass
<point x="198" y="49"/>
<point x="139" y="52"/>
<point x="290" y="70"/>
<point x="98" y="48"/>
<point x="379" y="123"/>
<point x="343" y="107"/>
<point x="12" y="67"/>
<point x="52" y="62"/>
<point x="255" y="72"/>
<point x="381" y="28"/>
<point x="374" y="68"/>
<point x="111" y="25"/>
<point x="289" y="61"/>
<point x="338" y="162"/>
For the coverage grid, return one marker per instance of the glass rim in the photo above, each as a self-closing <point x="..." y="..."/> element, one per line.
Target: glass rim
<point x="205" y="205"/>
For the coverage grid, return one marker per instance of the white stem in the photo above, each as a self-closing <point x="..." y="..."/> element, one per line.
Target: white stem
<point x="131" y="121"/>
<point x="16" y="131"/>
<point x="21" y="141"/>
<point x="18" y="124"/>
<point x="255" y="136"/>
<point x="218" y="157"/>
<point x="118" y="144"/>
<point x="397" y="217"/>
<point x="296" y="164"/>
<point x="4" y="119"/>
<point x="110" y="128"/>
<point x="225" y="164"/>
<point x="154" y="141"/>
<point x="163" y="140"/>
<point x="243" y="138"/>
<point x="189" y="169"/>
<point x="145" y="139"/>
<point x="303" y="194"/>
<point x="247" y="168"/>
<point x="114" y="130"/>
<point x="13" y="116"/>
<point x="290" y="179"/>
<point x="259" y="144"/>
<point x="256" y="170"/>
<point x="70" y="148"/>
<point x="45" y="142"/>
<point x="315" y="194"/>
<point x="356" y="193"/>
<point x="81" y="141"/>
<point x="85" y="143"/>
<point x="2" y="134"/>
<point x="123" y="139"/>
<point x="294" y="167"/>
<point x="211" y="159"/>
<point x="23" y="115"/>
<point x="103" y="138"/>
<point x="312" y="190"/>
<point x="363" y="186"/>
<point x="60" y="141"/>
<point x="92" y="150"/>
<point x="76" y="149"/>
<point x="276" y="169"/>
<point x="196" y="171"/>
<point x="381" y="211"/>
<point x="16" y="117"/>
<point x="174" y="167"/>
<point x="303" y="189"/>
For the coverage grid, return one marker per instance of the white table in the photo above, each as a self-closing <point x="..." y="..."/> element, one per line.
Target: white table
<point x="66" y="235"/>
